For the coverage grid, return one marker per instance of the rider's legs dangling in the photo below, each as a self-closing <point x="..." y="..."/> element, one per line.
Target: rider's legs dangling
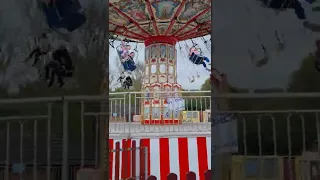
<point x="299" y="10"/>
<point x="59" y="74"/>
<point x="204" y="63"/>
<point x="53" y="69"/>
<point x="50" y="78"/>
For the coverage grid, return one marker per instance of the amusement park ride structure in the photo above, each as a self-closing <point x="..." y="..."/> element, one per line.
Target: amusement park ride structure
<point x="159" y="25"/>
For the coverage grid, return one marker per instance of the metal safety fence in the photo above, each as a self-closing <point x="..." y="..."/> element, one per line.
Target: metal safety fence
<point x="56" y="136"/>
<point x="127" y="111"/>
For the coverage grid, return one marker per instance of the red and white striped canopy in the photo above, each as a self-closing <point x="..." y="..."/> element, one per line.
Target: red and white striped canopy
<point x="165" y="155"/>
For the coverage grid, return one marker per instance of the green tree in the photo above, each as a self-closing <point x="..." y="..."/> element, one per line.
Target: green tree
<point x="206" y="86"/>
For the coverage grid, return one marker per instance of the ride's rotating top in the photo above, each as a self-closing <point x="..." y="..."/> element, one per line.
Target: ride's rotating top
<point x="141" y="20"/>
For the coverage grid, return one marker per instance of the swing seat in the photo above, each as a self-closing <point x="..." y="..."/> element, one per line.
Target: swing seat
<point x="129" y="65"/>
<point x="64" y="14"/>
<point x="196" y="59"/>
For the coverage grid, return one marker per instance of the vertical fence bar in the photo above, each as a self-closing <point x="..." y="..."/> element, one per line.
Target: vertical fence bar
<point x="82" y="134"/>
<point x="21" y="148"/>
<point x="318" y="131"/>
<point x="49" y="142"/>
<point x="260" y="146"/>
<point x="65" y="166"/>
<point x="118" y="113"/>
<point x="110" y="110"/>
<point x="244" y="129"/>
<point x="97" y="135"/>
<point x="289" y="145"/>
<point x="7" y="151"/>
<point x="35" y="147"/>
<point x="303" y="130"/>
<point x="274" y="134"/>
<point x="135" y="104"/>
<point x="120" y="109"/>
<point x="124" y="108"/>
<point x="129" y="110"/>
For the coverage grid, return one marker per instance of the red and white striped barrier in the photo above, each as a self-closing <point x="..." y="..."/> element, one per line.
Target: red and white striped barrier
<point x="165" y="155"/>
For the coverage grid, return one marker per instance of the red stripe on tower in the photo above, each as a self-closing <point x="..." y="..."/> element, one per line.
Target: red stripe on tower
<point x="110" y="157"/>
<point x="202" y="156"/>
<point x="134" y="161"/>
<point x="117" y="161"/>
<point x="183" y="157"/>
<point x="164" y="158"/>
<point x="128" y="163"/>
<point x="123" y="159"/>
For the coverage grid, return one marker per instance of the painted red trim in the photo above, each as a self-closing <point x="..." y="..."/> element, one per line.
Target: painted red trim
<point x="154" y="23"/>
<point x="175" y="16"/>
<point x="142" y="162"/>
<point x="192" y="20"/>
<point x="194" y="35"/>
<point x="111" y="157"/>
<point x="129" y="18"/>
<point x="134" y="160"/>
<point x="137" y="36"/>
<point x="126" y="30"/>
<point x="124" y="159"/>
<point x="183" y="157"/>
<point x="117" y="161"/>
<point x="202" y="156"/>
<point x="161" y="39"/>
<point x="128" y="164"/>
<point x="127" y="36"/>
<point x="164" y="158"/>
<point x="197" y="28"/>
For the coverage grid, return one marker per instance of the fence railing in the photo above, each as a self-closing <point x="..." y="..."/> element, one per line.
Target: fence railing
<point x="43" y="132"/>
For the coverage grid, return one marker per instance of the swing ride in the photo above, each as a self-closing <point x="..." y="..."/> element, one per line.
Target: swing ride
<point x="59" y="15"/>
<point x="299" y="9"/>
<point x="160" y="25"/>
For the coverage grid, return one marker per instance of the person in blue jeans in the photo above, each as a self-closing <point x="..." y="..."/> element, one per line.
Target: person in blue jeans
<point x="197" y="59"/>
